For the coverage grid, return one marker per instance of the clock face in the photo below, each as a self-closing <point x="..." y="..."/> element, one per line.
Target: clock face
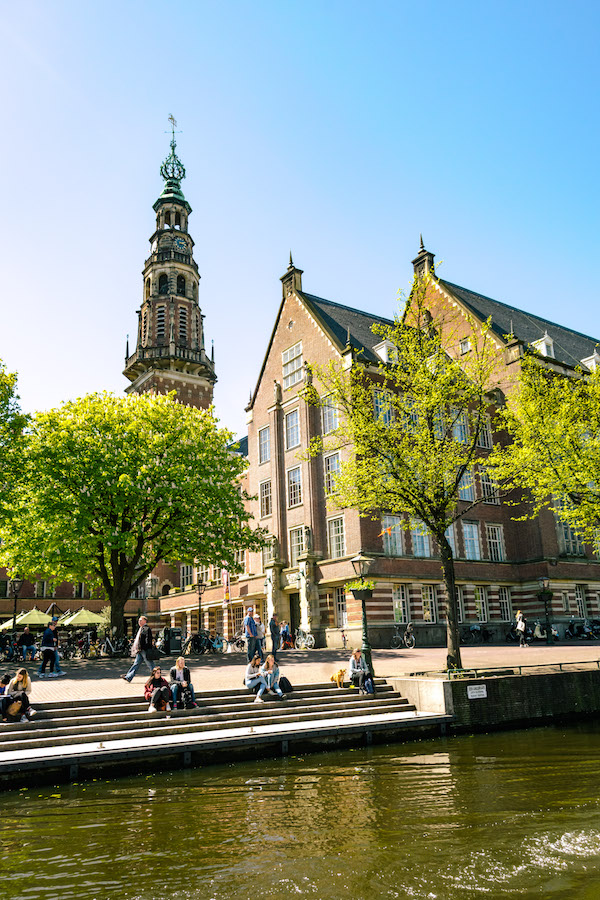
<point x="180" y="244"/>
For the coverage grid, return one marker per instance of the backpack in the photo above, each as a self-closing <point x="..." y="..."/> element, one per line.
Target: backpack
<point x="285" y="685"/>
<point x="186" y="696"/>
<point x="369" y="686"/>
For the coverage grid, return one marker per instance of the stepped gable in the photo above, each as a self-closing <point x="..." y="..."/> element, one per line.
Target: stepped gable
<point x="342" y="321"/>
<point x="570" y="347"/>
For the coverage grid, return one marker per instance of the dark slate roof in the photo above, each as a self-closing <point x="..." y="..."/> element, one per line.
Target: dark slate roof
<point x="337" y="320"/>
<point x="240" y="446"/>
<point x="570" y="347"/>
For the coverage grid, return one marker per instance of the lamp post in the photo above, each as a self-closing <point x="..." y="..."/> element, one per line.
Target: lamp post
<point x="200" y="587"/>
<point x="361" y="564"/>
<point x="545" y="594"/>
<point x="17" y="584"/>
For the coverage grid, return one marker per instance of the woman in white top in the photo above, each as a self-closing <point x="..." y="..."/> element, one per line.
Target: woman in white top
<point x="254" y="678"/>
<point x="21" y="682"/>
<point x="270" y="671"/>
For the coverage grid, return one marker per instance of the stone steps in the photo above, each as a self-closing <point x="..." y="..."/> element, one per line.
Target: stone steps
<point x="119" y="733"/>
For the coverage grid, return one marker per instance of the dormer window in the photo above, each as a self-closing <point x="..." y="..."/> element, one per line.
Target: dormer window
<point x="545" y="345"/>
<point x="592" y="362"/>
<point x="465" y="346"/>
<point x="387" y="352"/>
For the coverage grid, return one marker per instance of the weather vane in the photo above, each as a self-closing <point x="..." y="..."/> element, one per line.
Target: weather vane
<point x="172" y="168"/>
<point x="173" y="122"/>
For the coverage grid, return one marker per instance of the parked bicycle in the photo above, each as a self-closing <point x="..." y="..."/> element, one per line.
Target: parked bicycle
<point x="404" y="638"/>
<point x="120" y="648"/>
<point x="237" y="643"/>
<point x="304" y="640"/>
<point x="475" y="634"/>
<point x="197" y="643"/>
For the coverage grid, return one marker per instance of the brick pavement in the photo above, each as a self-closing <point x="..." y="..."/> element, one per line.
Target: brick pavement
<point x="91" y="679"/>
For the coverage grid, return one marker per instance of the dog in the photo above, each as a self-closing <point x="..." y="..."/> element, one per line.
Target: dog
<point x="338" y="678"/>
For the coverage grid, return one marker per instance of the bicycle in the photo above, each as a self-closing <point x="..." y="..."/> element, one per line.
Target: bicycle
<point x="304" y="640"/>
<point x="404" y="638"/>
<point x="197" y="643"/>
<point x="475" y="634"/>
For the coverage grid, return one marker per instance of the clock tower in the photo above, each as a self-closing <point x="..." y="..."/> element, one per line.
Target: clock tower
<point x="170" y="353"/>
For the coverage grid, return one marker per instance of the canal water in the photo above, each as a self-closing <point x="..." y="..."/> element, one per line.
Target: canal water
<point x="515" y="814"/>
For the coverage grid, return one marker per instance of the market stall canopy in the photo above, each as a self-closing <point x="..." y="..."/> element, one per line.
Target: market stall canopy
<point x="81" y="618"/>
<point x="33" y="616"/>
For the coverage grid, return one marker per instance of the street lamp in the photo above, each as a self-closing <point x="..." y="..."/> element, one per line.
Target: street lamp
<point x="361" y="564"/>
<point x="17" y="584"/>
<point x="545" y="594"/>
<point x="200" y="587"/>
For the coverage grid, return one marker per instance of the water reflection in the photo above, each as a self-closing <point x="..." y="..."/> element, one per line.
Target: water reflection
<point x="500" y="815"/>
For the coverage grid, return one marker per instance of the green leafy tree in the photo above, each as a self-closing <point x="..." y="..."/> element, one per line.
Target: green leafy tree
<point x="110" y="486"/>
<point x="554" y="424"/>
<point x="12" y="425"/>
<point x="412" y="425"/>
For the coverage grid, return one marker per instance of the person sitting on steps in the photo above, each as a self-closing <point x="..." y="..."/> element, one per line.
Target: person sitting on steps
<point x="270" y="672"/>
<point x="157" y="691"/>
<point x="358" y="671"/>
<point x="254" y="678"/>
<point x="181" y="685"/>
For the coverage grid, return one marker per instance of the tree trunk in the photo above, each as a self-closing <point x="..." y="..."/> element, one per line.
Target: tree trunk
<point x="453" y="659"/>
<point x="117" y="610"/>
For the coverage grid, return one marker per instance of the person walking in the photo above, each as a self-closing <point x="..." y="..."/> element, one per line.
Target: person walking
<point x="48" y="651"/>
<point x="522" y="628"/>
<point x="251" y="632"/>
<point x="275" y="632"/>
<point x="139" y="649"/>
<point x="27" y="643"/>
<point x="57" y="667"/>
<point x="260" y="635"/>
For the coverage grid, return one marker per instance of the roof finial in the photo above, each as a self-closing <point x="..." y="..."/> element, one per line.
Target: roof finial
<point x="348" y="337"/>
<point x="212" y="351"/>
<point x="291" y="265"/>
<point x="127" y="348"/>
<point x="172" y="169"/>
<point x="421" y="245"/>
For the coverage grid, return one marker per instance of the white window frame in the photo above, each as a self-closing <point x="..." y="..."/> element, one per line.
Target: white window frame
<point x="466" y="487"/>
<point x="340" y="607"/>
<point x="495" y="541"/>
<point x="265" y="494"/>
<point x="332" y="465"/>
<point x="451" y="538"/>
<point x="330" y="416"/>
<point x="401" y="603"/>
<point x="293" y="487"/>
<point x="202" y="574"/>
<point x="465" y="345"/>
<point x="268" y="553"/>
<point x="460" y="602"/>
<point x="382" y="406"/>
<point x="480" y="597"/>
<point x="296" y="544"/>
<point x="420" y="539"/>
<point x="489" y="491"/>
<point x="460" y="426"/>
<point x="264" y="444"/>
<point x="429" y="603"/>
<point x="292" y="429"/>
<point x="293" y="368"/>
<point x="473" y="541"/>
<point x="186" y="576"/>
<point x="336" y="542"/>
<point x="392" y="541"/>
<point x="581" y="600"/>
<point x="485" y="438"/>
<point x="505" y="603"/>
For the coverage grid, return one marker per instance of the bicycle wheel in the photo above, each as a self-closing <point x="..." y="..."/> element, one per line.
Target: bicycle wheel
<point x="409" y="641"/>
<point x="310" y="641"/>
<point x="239" y="645"/>
<point x="299" y="643"/>
<point x="396" y="642"/>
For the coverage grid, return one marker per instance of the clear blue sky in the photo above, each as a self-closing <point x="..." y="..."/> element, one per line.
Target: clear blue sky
<point x="340" y="130"/>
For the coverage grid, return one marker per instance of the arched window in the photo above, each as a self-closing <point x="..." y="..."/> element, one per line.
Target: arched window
<point x="144" y="327"/>
<point x="147" y="288"/>
<point x="181" y="285"/>
<point x="167" y="220"/>
<point x="177" y="220"/>
<point x="163" y="284"/>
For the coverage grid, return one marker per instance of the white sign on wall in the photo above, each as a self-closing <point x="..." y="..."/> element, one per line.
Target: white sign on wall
<point x="476" y="691"/>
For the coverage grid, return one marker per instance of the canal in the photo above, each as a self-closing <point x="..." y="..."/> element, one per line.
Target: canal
<point x="514" y="814"/>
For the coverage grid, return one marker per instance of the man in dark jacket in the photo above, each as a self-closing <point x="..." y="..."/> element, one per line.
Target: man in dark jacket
<point x="140" y="647"/>
<point x="27" y="643"/>
<point x="275" y="630"/>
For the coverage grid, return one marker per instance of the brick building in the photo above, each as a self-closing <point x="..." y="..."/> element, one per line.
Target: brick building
<point x="303" y="573"/>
